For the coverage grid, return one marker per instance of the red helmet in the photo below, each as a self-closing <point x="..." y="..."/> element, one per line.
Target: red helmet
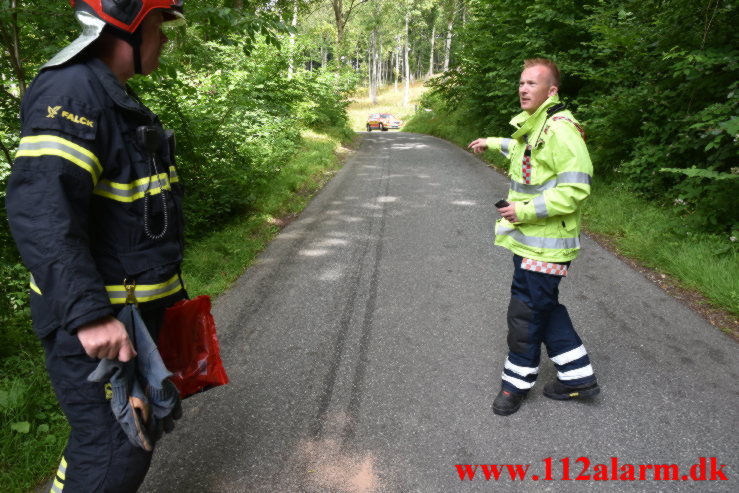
<point x="123" y="15"/>
<point x="127" y="14"/>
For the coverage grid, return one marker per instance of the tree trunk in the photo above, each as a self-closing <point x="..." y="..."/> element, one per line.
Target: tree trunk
<point x="448" y="53"/>
<point x="431" y="57"/>
<point x="11" y="40"/>
<point x="407" y="68"/>
<point x="380" y="65"/>
<point x="291" y="63"/>
<point x="418" y="65"/>
<point x="373" y="67"/>
<point x="339" y="19"/>
<point x="397" y="61"/>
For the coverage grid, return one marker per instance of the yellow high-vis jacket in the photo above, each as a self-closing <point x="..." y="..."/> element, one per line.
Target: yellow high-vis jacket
<point x="551" y="173"/>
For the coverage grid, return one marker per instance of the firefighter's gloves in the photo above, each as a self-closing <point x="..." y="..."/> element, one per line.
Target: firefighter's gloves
<point x="165" y="407"/>
<point x="129" y="402"/>
<point x="145" y="402"/>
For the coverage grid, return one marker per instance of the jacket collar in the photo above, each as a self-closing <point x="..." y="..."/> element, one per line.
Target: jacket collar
<point x="526" y="123"/>
<point x="121" y="95"/>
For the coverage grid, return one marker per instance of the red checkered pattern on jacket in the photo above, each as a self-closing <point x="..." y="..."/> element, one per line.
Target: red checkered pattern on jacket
<point x="544" y="267"/>
<point x="577" y="125"/>
<point x="526" y="166"/>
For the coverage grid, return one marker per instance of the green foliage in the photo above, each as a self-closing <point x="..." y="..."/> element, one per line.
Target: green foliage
<point x="664" y="240"/>
<point x="654" y="82"/>
<point x="33" y="428"/>
<point x="238" y="121"/>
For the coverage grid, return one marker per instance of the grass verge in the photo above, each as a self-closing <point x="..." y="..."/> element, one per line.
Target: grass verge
<point x="698" y="268"/>
<point x="212" y="264"/>
<point x="34" y="431"/>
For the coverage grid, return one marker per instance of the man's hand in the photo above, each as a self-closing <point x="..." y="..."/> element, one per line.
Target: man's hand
<point x="479" y="145"/>
<point x="509" y="212"/>
<point x="106" y="338"/>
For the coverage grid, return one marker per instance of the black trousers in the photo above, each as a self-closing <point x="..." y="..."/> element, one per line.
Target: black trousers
<point x="98" y="456"/>
<point x="536" y="316"/>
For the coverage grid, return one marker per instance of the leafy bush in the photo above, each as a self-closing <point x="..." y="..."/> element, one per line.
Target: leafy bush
<point x="237" y="121"/>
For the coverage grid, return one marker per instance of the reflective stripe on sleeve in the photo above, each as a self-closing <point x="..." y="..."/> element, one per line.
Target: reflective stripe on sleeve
<point x="505" y="146"/>
<point x="51" y="145"/>
<point x="129" y="192"/>
<point x="540" y="205"/>
<point x="145" y="292"/>
<point x="538" y="241"/>
<point x="562" y="178"/>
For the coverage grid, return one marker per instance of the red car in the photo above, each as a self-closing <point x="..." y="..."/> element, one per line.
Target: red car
<point x="382" y="121"/>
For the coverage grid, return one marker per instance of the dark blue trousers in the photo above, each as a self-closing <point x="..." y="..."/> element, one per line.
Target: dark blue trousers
<point x="536" y="316"/>
<point x="98" y="456"/>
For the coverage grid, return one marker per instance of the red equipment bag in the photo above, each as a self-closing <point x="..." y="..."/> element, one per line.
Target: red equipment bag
<point x="189" y="347"/>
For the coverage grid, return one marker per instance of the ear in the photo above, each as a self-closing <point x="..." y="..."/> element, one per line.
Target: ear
<point x="552" y="91"/>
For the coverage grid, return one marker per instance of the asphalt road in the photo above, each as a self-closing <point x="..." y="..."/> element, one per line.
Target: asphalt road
<point x="365" y="348"/>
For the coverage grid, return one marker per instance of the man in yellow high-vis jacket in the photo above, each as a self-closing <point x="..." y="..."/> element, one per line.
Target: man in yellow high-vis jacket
<point x="550" y="173"/>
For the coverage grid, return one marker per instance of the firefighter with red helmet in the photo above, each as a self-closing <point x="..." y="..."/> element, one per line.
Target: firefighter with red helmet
<point x="95" y="208"/>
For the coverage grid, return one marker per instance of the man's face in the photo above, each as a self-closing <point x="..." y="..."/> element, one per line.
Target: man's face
<point x="534" y="88"/>
<point x="152" y="40"/>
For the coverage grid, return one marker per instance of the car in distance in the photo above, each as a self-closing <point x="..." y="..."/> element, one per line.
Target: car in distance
<point x="382" y="121"/>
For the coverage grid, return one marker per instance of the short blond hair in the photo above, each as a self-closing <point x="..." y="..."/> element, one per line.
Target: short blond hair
<point x="544" y="62"/>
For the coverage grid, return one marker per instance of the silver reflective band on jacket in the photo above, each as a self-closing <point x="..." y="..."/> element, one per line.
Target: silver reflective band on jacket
<point x="539" y="242"/>
<point x="145" y="292"/>
<point x="129" y="192"/>
<point x="566" y="177"/>
<point x="505" y="146"/>
<point x="51" y="145"/>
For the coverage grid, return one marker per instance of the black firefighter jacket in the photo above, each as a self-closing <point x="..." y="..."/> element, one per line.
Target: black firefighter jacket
<point x="76" y="199"/>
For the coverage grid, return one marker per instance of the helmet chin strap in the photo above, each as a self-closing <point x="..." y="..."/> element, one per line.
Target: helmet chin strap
<point x="136" y="44"/>
<point x="133" y="39"/>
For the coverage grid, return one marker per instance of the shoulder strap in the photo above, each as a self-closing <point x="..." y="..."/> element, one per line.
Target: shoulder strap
<point x="577" y="125"/>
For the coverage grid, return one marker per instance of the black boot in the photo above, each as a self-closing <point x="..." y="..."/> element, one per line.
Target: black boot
<point x="562" y="392"/>
<point x="507" y="402"/>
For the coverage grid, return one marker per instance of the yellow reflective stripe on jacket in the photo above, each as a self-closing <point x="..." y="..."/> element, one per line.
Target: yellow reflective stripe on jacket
<point x="51" y="145"/>
<point x="145" y="292"/>
<point x="129" y="192"/>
